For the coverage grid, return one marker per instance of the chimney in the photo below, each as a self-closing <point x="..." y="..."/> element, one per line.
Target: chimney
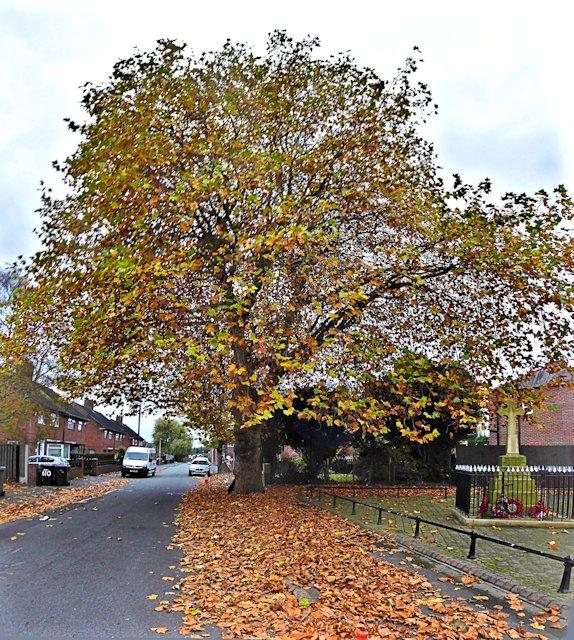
<point x="120" y="418"/>
<point x="89" y="404"/>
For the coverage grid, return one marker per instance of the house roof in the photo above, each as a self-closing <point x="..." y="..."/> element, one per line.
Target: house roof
<point x="43" y="396"/>
<point x="98" y="418"/>
<point x="107" y="423"/>
<point x="543" y="377"/>
<point x="129" y="431"/>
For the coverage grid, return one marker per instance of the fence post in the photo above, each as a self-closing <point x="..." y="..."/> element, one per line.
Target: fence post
<point x="472" y="551"/>
<point x="334" y="501"/>
<point x="418" y="527"/>
<point x="565" y="583"/>
<point x="380" y="517"/>
<point x="354" y="508"/>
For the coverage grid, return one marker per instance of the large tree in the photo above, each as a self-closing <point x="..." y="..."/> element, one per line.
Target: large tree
<point x="236" y="226"/>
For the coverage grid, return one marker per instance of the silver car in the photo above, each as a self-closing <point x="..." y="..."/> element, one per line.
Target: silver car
<point x="200" y="467"/>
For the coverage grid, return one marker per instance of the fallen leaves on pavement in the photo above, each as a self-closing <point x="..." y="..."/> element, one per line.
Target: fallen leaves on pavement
<point x="245" y="553"/>
<point x="56" y="499"/>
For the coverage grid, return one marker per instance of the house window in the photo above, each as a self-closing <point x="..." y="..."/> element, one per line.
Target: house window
<point x="71" y="423"/>
<point x="41" y="419"/>
<point x="80" y="425"/>
<point x="58" y="449"/>
<point x="54" y="449"/>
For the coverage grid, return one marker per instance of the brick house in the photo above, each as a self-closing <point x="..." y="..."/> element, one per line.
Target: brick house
<point x="553" y="424"/>
<point x="104" y="435"/>
<point x="47" y="425"/>
<point x="55" y="428"/>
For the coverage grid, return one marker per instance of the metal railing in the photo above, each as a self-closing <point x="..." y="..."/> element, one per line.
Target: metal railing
<point x="541" y="493"/>
<point x="567" y="561"/>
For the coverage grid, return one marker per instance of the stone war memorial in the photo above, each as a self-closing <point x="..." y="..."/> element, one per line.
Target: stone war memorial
<point x="514" y="479"/>
<point x="514" y="492"/>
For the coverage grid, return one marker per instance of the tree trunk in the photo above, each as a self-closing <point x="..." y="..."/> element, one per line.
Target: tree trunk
<point x="248" y="469"/>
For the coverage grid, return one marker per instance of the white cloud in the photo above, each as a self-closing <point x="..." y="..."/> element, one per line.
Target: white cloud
<point x="499" y="72"/>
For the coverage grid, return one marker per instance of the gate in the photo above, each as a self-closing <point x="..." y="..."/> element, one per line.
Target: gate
<point x="10" y="458"/>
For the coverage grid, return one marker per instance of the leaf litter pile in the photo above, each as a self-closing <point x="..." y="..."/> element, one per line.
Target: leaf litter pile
<point x="55" y="499"/>
<point x="263" y="566"/>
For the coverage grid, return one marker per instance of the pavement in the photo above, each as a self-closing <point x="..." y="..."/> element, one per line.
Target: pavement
<point x="17" y="493"/>
<point x="534" y="572"/>
<point x="395" y="548"/>
<point x="87" y="571"/>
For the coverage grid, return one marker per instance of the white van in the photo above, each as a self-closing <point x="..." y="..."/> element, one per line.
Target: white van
<point x="139" y="461"/>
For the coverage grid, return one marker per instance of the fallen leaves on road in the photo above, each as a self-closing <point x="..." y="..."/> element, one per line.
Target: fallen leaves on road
<point x="56" y="499"/>
<point x="160" y="629"/>
<point x="514" y="602"/>
<point x="245" y="553"/>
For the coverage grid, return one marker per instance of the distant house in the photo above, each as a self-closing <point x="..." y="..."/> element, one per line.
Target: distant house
<point x="54" y="427"/>
<point x="103" y="435"/>
<point x="133" y="438"/>
<point x="48" y="425"/>
<point x="553" y="424"/>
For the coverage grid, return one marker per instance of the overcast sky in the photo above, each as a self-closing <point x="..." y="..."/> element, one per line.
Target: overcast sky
<point x="501" y="73"/>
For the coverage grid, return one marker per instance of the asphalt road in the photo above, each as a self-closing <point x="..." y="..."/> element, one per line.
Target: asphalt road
<point x="88" y="575"/>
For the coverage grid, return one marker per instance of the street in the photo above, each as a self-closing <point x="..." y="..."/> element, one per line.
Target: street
<point x="87" y="573"/>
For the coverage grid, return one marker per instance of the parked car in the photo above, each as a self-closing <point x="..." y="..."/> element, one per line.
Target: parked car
<point x="200" y="467"/>
<point x="139" y="461"/>
<point x="49" y="461"/>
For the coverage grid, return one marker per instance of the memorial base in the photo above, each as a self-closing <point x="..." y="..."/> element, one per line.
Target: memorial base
<point x="513" y="485"/>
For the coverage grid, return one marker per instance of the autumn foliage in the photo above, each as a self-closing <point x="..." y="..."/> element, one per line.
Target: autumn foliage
<point x="238" y="226"/>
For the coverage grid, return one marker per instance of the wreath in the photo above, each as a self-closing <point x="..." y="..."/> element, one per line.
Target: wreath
<point x="538" y="510"/>
<point x="507" y="508"/>
<point x="483" y="506"/>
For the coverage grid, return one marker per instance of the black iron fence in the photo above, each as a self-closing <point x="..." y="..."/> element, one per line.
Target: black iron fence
<point x="538" y="493"/>
<point x="473" y="536"/>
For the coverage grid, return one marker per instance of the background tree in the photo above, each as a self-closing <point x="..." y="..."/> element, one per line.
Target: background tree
<point x="237" y="226"/>
<point x="317" y="441"/>
<point x="19" y="390"/>
<point x="174" y="437"/>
